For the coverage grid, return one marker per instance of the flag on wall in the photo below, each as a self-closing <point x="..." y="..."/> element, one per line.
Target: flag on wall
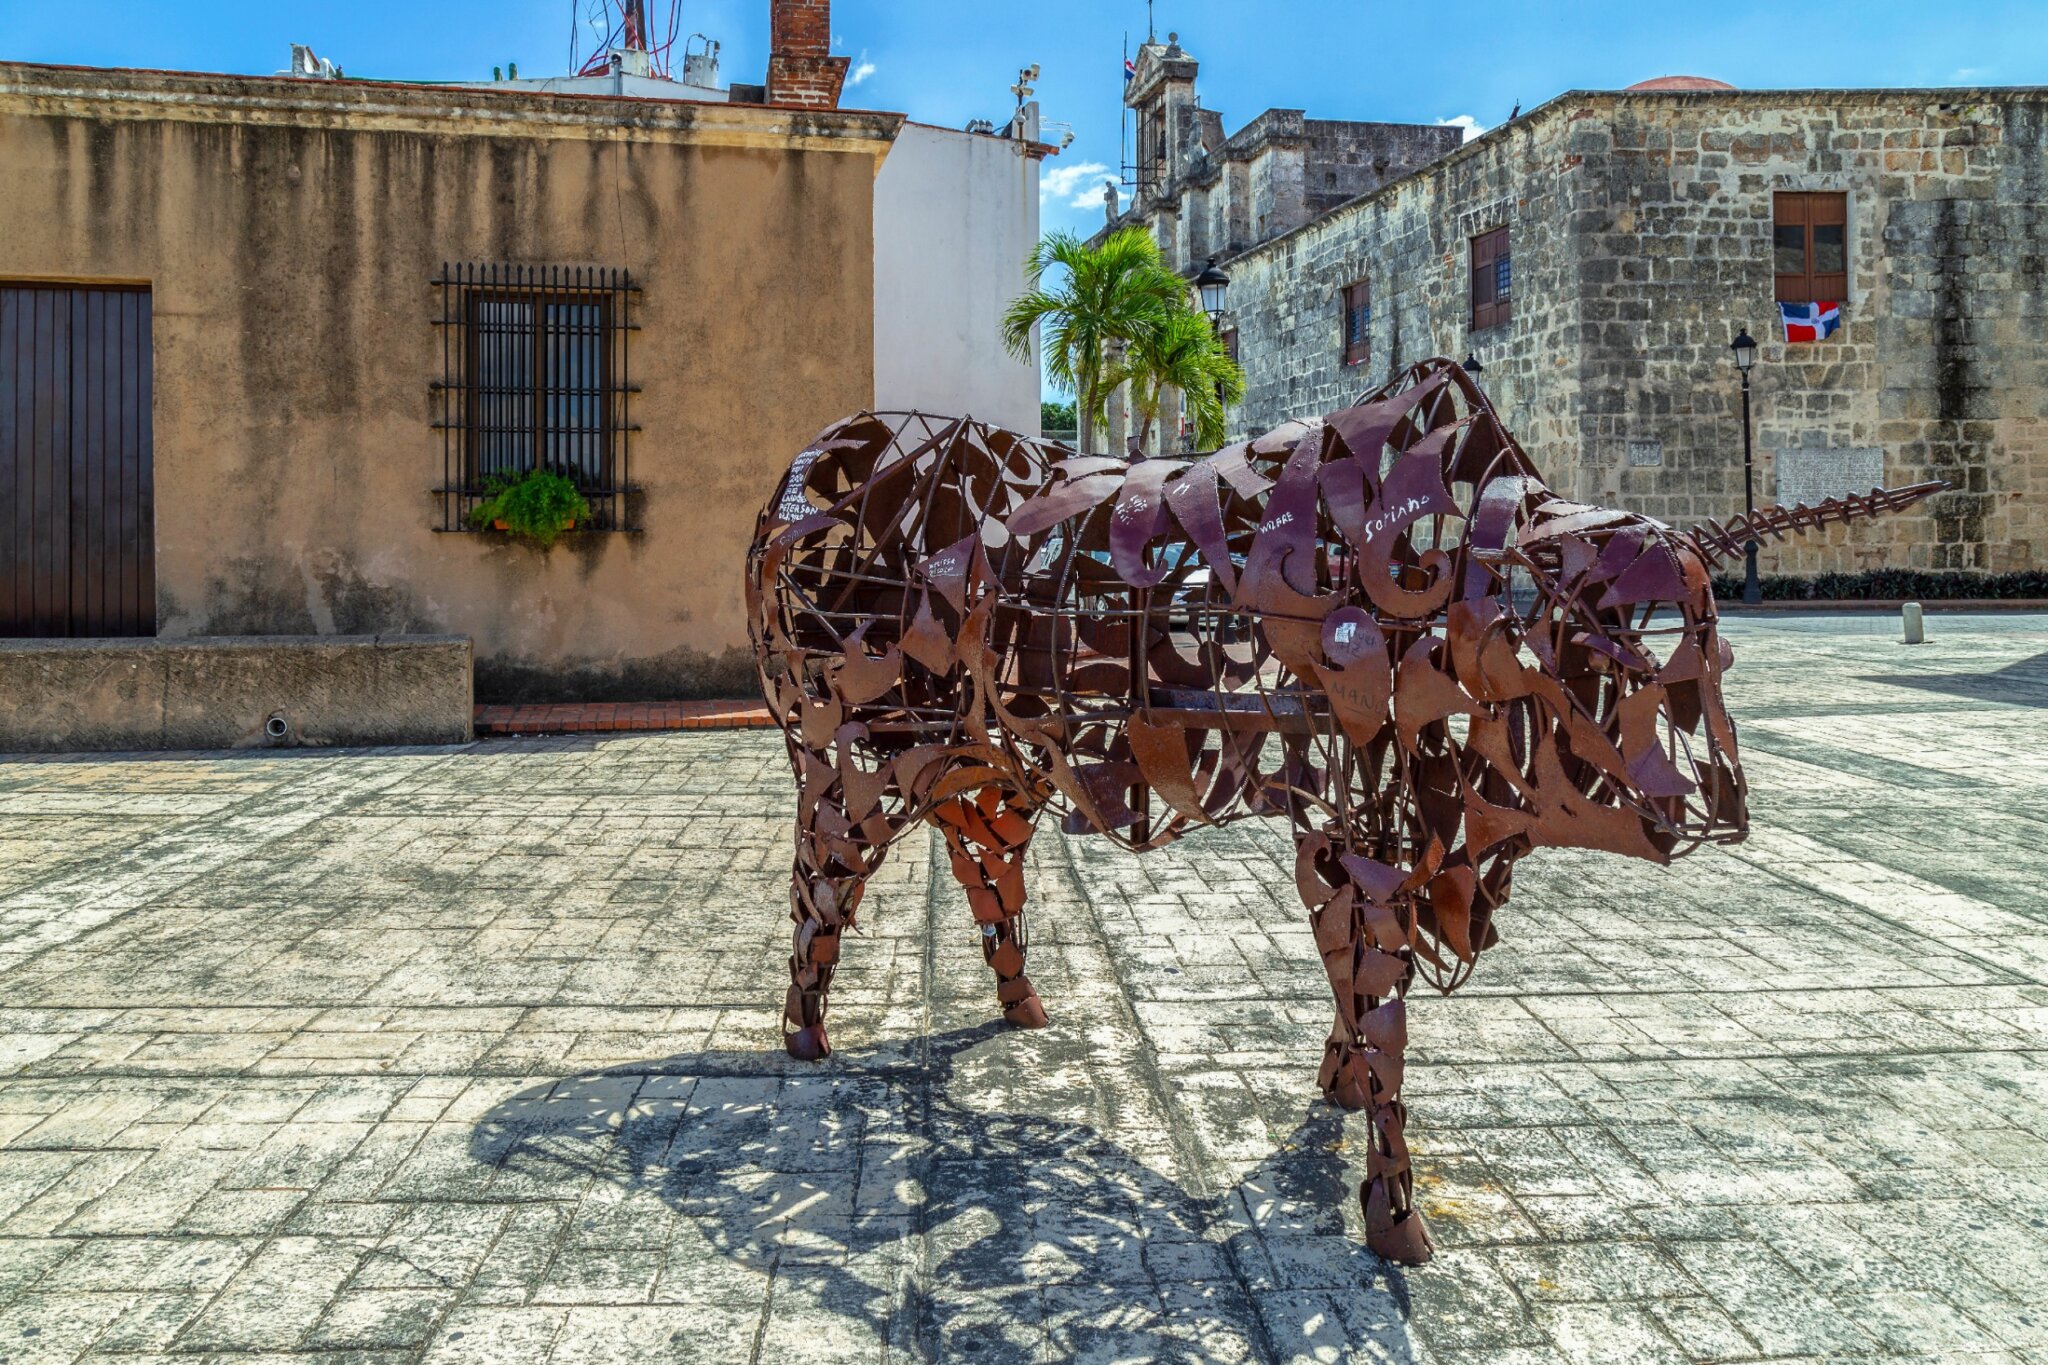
<point x="1810" y="321"/>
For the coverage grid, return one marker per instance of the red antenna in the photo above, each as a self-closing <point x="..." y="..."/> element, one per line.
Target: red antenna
<point x="626" y="29"/>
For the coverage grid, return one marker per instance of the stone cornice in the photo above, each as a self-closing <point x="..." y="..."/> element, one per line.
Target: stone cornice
<point x="377" y="106"/>
<point x="1153" y="67"/>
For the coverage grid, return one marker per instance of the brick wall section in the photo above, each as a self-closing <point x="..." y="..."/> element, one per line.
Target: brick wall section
<point x="1640" y="226"/>
<point x="801" y="69"/>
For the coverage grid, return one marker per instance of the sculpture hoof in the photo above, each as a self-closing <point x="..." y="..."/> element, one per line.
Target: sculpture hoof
<point x="1349" y="1095"/>
<point x="808" y="1044"/>
<point x="1405" y="1243"/>
<point x="1026" y="1013"/>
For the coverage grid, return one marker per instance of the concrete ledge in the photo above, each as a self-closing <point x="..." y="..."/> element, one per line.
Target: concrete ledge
<point x="59" y="696"/>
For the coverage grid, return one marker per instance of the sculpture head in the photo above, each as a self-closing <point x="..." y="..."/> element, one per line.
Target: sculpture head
<point x="1595" y="666"/>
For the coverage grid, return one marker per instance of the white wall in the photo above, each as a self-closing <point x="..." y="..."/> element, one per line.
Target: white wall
<point x="955" y="215"/>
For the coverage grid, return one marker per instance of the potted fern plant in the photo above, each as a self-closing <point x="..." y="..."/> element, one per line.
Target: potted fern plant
<point x="537" y="506"/>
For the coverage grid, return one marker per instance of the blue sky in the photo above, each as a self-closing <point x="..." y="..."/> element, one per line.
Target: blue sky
<point x="946" y="61"/>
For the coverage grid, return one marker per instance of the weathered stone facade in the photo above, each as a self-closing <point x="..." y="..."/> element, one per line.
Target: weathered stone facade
<point x="1202" y="193"/>
<point x="1640" y="225"/>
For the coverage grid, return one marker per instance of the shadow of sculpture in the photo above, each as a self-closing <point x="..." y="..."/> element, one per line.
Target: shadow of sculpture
<point x="868" y="1189"/>
<point x="2021" y="683"/>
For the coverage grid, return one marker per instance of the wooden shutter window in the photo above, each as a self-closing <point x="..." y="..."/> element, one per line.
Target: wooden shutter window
<point x="1357" y="322"/>
<point x="1492" y="279"/>
<point x="1810" y="246"/>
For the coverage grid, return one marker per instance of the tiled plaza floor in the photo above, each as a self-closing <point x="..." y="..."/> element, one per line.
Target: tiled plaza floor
<point x="471" y="1055"/>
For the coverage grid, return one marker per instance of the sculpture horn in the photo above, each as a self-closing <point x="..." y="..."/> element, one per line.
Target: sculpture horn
<point x="1719" y="541"/>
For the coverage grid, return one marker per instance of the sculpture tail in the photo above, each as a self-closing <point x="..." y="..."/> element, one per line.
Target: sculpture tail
<point x="1719" y="541"/>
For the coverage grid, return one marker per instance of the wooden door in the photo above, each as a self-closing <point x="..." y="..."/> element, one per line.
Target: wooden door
<point x="77" y="505"/>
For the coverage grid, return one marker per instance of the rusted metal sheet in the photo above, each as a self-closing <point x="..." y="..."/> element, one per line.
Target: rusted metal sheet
<point x="1382" y="626"/>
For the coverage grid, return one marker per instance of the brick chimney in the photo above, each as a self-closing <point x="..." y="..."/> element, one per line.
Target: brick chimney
<point x="801" y="69"/>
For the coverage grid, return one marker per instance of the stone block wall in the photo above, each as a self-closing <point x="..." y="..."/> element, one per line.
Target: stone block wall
<point x="1640" y="226"/>
<point x="1411" y="242"/>
<point x="1347" y="159"/>
<point x="1939" y="369"/>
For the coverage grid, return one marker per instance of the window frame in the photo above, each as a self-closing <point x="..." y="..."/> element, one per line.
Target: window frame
<point x="537" y="391"/>
<point x="462" y="289"/>
<point x="1489" y="253"/>
<point x="1355" y="301"/>
<point x="1808" y="210"/>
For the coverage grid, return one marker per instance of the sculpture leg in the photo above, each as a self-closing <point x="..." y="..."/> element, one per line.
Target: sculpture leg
<point x="825" y="889"/>
<point x="987" y="836"/>
<point x="1370" y="963"/>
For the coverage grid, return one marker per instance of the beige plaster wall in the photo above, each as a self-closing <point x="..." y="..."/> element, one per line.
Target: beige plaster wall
<point x="289" y="232"/>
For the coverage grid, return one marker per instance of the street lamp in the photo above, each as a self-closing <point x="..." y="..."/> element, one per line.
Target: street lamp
<point x="1215" y="287"/>
<point x="1472" y="365"/>
<point x="1744" y="347"/>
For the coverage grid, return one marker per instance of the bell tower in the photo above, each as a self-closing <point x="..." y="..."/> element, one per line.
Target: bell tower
<point x="1160" y="93"/>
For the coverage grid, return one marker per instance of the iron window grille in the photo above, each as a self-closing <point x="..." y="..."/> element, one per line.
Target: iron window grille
<point x="536" y="374"/>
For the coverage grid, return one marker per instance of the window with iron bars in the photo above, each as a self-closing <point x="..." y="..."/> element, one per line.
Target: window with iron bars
<point x="1492" y="279"/>
<point x="1357" y="323"/>
<point x="536" y="374"/>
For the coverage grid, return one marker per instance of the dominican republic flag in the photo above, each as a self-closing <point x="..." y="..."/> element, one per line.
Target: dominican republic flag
<point x="1810" y="321"/>
<point x="1130" y="69"/>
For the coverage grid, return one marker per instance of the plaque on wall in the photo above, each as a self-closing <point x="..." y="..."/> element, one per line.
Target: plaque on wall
<point x="1810" y="473"/>
<point x="1645" y="454"/>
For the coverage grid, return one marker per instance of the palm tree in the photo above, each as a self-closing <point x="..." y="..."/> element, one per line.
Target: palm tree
<point x="1182" y="353"/>
<point x="1110" y="296"/>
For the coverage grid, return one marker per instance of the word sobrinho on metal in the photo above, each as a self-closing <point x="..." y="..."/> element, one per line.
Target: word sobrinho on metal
<point x="1382" y="627"/>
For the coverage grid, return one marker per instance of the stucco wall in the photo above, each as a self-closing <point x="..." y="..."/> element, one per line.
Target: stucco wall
<point x="956" y="213"/>
<point x="289" y="232"/>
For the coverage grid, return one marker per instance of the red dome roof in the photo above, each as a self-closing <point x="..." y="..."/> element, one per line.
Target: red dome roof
<point x="1682" y="83"/>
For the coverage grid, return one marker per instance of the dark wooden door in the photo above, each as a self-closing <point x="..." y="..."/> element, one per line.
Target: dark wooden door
<point x="77" y="505"/>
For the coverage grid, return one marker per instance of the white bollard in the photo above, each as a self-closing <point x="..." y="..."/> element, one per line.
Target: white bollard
<point x="1916" y="630"/>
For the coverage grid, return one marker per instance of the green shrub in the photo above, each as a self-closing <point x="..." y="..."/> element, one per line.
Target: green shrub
<point x="1910" y="585"/>
<point x="538" y="506"/>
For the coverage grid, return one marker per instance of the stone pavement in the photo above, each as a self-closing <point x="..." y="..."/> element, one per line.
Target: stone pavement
<point x="470" y="1056"/>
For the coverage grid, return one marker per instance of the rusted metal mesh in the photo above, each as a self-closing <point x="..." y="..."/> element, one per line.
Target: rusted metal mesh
<point x="1381" y="626"/>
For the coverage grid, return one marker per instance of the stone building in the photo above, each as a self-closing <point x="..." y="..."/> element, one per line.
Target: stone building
<point x="1203" y="193"/>
<point x="1622" y="238"/>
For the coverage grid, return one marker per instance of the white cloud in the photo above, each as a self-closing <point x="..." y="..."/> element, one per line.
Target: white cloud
<point x="1472" y="126"/>
<point x="862" y="69"/>
<point x="1080" y="184"/>
<point x="1970" y="73"/>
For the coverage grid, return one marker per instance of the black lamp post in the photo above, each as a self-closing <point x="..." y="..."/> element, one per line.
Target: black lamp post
<point x="1745" y="357"/>
<point x="1215" y="288"/>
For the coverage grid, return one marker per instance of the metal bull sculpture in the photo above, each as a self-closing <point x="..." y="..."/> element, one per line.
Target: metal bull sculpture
<point x="1382" y="626"/>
